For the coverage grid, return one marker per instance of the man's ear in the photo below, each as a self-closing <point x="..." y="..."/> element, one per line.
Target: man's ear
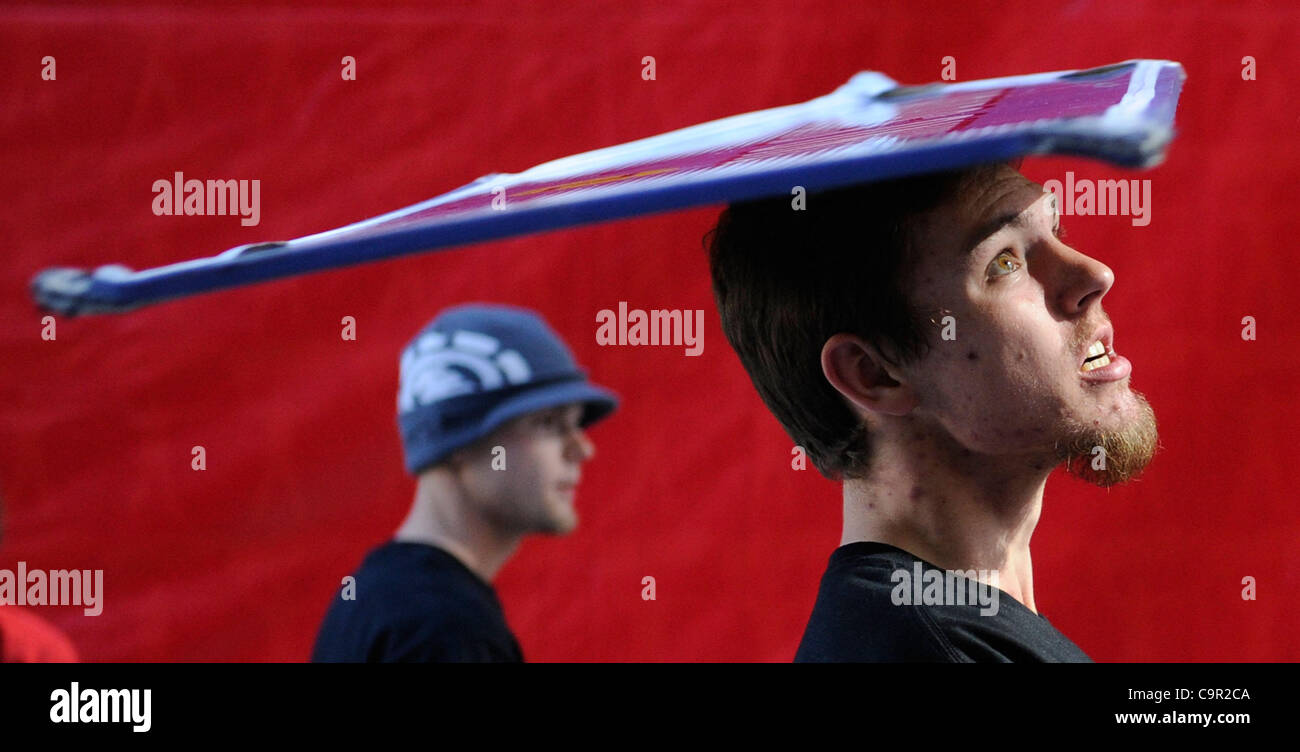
<point x="856" y="369"/>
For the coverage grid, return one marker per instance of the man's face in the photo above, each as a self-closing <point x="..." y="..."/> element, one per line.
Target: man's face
<point x="1025" y="308"/>
<point x="528" y="484"/>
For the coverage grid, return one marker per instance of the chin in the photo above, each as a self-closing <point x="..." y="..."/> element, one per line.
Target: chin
<point x="1126" y="445"/>
<point x="563" y="526"/>
<point x="562" y="521"/>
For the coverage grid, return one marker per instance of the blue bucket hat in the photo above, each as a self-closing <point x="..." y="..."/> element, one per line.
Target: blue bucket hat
<point x="477" y="366"/>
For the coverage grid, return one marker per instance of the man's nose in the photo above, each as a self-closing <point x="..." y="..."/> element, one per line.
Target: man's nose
<point x="580" y="447"/>
<point x="1083" y="280"/>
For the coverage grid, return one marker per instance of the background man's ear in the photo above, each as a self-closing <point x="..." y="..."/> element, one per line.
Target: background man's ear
<point x="858" y="371"/>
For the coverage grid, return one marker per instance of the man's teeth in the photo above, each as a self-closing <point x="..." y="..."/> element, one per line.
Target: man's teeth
<point x="1098" y="363"/>
<point x="1097" y="349"/>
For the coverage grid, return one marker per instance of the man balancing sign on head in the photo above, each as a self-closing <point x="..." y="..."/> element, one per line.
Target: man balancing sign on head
<point x="935" y="344"/>
<point x="492" y="409"/>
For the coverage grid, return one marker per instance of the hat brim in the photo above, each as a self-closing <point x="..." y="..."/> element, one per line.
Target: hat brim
<point x="598" y="402"/>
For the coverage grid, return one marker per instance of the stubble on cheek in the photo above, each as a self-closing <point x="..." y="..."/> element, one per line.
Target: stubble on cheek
<point x="996" y="401"/>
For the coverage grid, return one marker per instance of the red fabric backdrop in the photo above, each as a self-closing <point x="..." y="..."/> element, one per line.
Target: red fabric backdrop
<point x="691" y="483"/>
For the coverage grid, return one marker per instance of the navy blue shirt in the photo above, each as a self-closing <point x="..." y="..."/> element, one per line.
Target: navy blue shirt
<point x="855" y="619"/>
<point x="415" y="603"/>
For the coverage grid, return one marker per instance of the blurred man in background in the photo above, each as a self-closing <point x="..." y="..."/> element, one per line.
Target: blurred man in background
<point x="491" y="409"/>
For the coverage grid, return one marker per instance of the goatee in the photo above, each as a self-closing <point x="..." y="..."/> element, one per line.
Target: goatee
<point x="1106" y="457"/>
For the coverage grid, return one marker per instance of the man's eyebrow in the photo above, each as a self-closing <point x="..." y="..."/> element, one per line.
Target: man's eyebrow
<point x="1015" y="219"/>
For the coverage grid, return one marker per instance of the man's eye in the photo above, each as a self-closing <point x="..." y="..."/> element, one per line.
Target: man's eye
<point x="553" y="422"/>
<point x="1003" y="264"/>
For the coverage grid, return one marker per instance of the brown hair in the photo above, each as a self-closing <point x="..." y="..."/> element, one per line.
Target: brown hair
<point x="786" y="280"/>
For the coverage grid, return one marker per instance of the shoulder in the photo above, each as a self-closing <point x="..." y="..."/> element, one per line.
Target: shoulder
<point x="875" y="604"/>
<point x="446" y="637"/>
<point x="28" y="638"/>
<point x="856" y="617"/>
<point x="410" y="604"/>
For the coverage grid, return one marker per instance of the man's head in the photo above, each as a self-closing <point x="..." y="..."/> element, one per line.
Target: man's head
<point x="940" y="305"/>
<point x="492" y="399"/>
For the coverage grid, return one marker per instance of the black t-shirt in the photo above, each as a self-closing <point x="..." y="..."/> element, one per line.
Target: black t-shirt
<point x="855" y="619"/>
<point x="416" y="603"/>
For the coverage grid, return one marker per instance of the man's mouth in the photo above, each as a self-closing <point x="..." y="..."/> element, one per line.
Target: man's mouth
<point x="1097" y="357"/>
<point x="1100" y="363"/>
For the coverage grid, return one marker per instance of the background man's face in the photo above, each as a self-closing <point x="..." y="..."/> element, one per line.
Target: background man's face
<point x="544" y="452"/>
<point x="1026" y="308"/>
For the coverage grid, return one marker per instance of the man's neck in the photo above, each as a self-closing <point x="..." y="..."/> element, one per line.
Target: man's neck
<point x="952" y="508"/>
<point x="441" y="517"/>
